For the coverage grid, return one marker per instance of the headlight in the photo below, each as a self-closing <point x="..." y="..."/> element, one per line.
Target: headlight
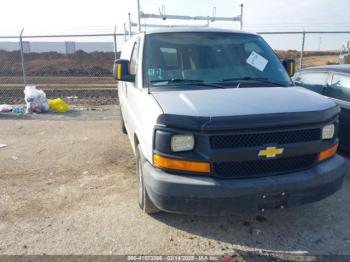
<point x="328" y="131"/>
<point x="182" y="143"/>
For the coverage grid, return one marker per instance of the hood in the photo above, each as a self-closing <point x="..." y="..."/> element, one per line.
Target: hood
<point x="241" y="101"/>
<point x="243" y="108"/>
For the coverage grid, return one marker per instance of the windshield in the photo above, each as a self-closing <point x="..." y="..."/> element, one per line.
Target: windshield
<point x="228" y="59"/>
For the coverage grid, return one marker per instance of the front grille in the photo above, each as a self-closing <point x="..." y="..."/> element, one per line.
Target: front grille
<point x="264" y="167"/>
<point x="260" y="139"/>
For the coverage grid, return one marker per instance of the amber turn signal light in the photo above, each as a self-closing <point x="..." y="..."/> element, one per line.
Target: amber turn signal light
<point x="174" y="164"/>
<point x="328" y="153"/>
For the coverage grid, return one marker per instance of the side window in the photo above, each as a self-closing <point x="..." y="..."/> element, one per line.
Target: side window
<point x="134" y="58"/>
<point x="340" y="87"/>
<point x="313" y="81"/>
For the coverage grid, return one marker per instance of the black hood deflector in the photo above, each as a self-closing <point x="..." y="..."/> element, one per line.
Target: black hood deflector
<point x="247" y="121"/>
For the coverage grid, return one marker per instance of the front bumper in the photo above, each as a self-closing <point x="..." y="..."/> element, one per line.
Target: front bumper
<point x="200" y="195"/>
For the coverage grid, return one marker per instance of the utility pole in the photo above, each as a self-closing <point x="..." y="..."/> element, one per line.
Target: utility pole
<point x="139" y="15"/>
<point x="320" y="42"/>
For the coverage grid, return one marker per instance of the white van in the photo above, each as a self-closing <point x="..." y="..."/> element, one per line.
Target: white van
<point x="218" y="127"/>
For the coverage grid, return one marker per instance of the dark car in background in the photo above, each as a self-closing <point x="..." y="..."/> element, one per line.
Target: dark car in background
<point x="332" y="81"/>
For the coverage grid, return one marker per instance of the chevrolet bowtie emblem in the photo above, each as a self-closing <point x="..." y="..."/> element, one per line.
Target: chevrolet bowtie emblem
<point x="271" y="152"/>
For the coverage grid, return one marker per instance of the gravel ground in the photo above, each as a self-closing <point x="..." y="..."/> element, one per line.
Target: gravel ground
<point x="68" y="186"/>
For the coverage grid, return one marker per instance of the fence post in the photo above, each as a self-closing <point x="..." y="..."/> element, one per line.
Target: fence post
<point x="115" y="43"/>
<point x="302" y="51"/>
<point x="22" y="58"/>
<point x="241" y="18"/>
<point x="130" y="25"/>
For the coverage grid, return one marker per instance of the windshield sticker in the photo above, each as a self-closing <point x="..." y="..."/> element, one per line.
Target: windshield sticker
<point x="154" y="73"/>
<point x="159" y="73"/>
<point x="257" y="61"/>
<point x="151" y="72"/>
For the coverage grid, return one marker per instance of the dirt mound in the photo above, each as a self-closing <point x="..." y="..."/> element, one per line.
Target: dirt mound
<point x="55" y="64"/>
<point x="296" y="54"/>
<point x="100" y="63"/>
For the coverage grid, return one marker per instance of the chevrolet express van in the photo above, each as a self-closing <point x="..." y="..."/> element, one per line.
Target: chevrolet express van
<point x="217" y="126"/>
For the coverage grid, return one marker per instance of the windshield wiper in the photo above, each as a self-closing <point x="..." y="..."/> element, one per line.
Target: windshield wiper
<point x="194" y="82"/>
<point x="176" y="80"/>
<point x="254" y="79"/>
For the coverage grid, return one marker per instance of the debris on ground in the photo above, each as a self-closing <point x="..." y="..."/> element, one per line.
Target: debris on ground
<point x="5" y="108"/>
<point x="3" y="145"/>
<point x="72" y="97"/>
<point x="249" y="226"/>
<point x="8" y="108"/>
<point x="36" y="100"/>
<point x="14" y="158"/>
<point x="18" y="110"/>
<point x="258" y="232"/>
<point x="260" y="219"/>
<point x="58" y="105"/>
<point x="246" y="223"/>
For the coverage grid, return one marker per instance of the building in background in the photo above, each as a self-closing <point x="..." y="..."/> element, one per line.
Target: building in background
<point x="70" y="47"/>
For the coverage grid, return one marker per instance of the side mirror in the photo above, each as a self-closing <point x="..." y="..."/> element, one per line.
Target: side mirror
<point x="289" y="65"/>
<point x="121" y="71"/>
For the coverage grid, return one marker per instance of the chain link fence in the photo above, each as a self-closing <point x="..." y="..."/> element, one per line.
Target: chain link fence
<point x="78" y="68"/>
<point x="310" y="48"/>
<point x="75" y="68"/>
<point x="11" y="75"/>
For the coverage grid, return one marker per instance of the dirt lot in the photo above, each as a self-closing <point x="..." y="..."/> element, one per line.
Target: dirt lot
<point x="68" y="186"/>
<point x="319" y="60"/>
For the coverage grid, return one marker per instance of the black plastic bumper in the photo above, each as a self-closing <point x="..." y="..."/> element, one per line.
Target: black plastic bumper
<point x="201" y="195"/>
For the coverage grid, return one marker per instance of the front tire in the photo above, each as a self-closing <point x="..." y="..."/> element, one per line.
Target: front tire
<point x="145" y="203"/>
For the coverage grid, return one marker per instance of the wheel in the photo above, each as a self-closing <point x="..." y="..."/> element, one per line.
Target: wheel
<point x="122" y="123"/>
<point x="145" y="202"/>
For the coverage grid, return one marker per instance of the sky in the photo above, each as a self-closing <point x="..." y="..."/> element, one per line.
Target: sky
<point x="100" y="16"/>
